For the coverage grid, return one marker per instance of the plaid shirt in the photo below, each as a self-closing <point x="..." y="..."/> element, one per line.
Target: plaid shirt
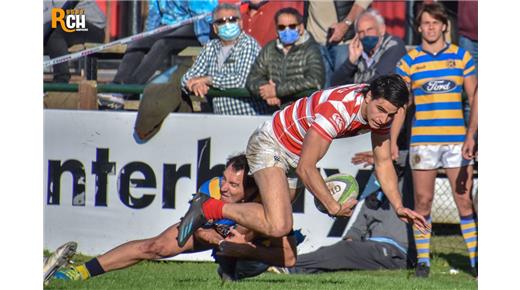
<point x="232" y="74"/>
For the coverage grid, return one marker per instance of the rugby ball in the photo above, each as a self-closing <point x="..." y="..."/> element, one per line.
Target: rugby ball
<point x="342" y="186"/>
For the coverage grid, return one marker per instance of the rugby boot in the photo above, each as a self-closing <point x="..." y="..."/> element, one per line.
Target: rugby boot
<point x="58" y="259"/>
<point x="193" y="219"/>
<point x="68" y="274"/>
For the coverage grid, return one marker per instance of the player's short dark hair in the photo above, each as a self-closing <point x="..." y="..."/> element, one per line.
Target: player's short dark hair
<point x="239" y="162"/>
<point x="390" y="87"/>
<point x="436" y="10"/>
<point x="290" y="11"/>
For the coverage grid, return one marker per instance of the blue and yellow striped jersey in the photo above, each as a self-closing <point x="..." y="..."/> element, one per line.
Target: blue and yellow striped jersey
<point x="436" y="82"/>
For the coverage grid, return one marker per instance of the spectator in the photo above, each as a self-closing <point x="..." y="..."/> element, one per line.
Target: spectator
<point x="225" y="63"/>
<point x="436" y="71"/>
<point x="59" y="41"/>
<point x="377" y="239"/>
<point x="289" y="64"/>
<point x="468" y="36"/>
<point x="257" y="13"/>
<point x="143" y="57"/>
<point x="372" y="52"/>
<point x="332" y="33"/>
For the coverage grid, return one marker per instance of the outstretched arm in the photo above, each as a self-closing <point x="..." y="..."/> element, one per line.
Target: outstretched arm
<point x="387" y="177"/>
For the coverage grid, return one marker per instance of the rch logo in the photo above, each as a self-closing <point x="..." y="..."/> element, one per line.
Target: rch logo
<point x="439" y="86"/>
<point x="70" y="20"/>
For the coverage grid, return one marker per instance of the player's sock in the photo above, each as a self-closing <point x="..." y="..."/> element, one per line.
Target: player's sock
<point x="91" y="268"/>
<point x="422" y="241"/>
<point x="468" y="226"/>
<point x="212" y="209"/>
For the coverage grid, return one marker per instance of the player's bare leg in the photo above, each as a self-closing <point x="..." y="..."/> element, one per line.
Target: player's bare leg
<point x="128" y="254"/>
<point x="461" y="182"/>
<point x="424" y="185"/>
<point x="274" y="217"/>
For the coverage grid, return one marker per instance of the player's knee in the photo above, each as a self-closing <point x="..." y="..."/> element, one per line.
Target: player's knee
<point x="280" y="230"/>
<point x="157" y="249"/>
<point x="423" y="202"/>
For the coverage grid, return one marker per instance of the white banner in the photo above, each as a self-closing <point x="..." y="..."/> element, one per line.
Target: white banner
<point x="102" y="188"/>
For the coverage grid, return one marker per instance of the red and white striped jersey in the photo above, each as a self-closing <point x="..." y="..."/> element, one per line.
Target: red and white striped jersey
<point x="334" y="113"/>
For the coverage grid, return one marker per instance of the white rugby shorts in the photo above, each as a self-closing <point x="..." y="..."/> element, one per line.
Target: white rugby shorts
<point x="263" y="151"/>
<point x="425" y="157"/>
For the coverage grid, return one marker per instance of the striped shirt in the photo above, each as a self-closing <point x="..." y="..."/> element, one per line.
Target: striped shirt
<point x="436" y="82"/>
<point x="333" y="113"/>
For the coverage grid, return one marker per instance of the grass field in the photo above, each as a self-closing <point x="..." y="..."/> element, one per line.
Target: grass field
<point x="448" y="252"/>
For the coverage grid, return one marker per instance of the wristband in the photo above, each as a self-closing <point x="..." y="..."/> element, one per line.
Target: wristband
<point x="347" y="22"/>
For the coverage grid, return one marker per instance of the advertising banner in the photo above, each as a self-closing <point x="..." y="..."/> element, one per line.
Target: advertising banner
<point x="103" y="188"/>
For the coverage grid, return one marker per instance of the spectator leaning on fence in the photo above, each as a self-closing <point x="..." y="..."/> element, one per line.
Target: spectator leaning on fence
<point x="224" y="63"/>
<point x="436" y="71"/>
<point x="59" y="41"/>
<point x="372" y="52"/>
<point x="289" y="64"/>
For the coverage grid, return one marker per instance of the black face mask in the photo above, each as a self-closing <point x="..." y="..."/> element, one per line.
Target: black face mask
<point x="257" y="6"/>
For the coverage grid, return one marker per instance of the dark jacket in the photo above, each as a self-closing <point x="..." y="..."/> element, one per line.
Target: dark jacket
<point x="392" y="49"/>
<point x="301" y="69"/>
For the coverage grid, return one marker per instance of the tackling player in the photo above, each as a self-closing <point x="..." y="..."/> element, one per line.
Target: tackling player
<point x="234" y="186"/>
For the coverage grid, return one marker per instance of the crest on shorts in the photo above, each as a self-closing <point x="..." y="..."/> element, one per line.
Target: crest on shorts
<point x="416" y="159"/>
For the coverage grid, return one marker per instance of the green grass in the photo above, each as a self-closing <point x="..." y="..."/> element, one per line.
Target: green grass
<point x="447" y="252"/>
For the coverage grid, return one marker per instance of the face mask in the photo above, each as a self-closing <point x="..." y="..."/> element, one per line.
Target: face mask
<point x="369" y="42"/>
<point x="288" y="36"/>
<point x="229" y="31"/>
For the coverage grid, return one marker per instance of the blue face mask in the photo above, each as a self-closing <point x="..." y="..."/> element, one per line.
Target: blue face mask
<point x="229" y="31"/>
<point x="288" y="36"/>
<point x="369" y="42"/>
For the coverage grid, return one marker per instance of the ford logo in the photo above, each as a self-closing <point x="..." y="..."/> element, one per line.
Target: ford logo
<point x="438" y="86"/>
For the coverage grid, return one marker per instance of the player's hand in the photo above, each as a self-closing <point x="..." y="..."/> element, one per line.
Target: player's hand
<point x="366" y="158"/>
<point x="346" y="209"/>
<point x="236" y="237"/>
<point x="394" y="150"/>
<point x="468" y="149"/>
<point x="409" y="216"/>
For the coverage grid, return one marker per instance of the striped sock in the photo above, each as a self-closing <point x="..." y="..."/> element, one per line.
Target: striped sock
<point x="468" y="226"/>
<point x="422" y="242"/>
<point x="91" y="268"/>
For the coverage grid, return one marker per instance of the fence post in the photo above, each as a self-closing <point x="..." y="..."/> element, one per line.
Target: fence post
<point x="87" y="95"/>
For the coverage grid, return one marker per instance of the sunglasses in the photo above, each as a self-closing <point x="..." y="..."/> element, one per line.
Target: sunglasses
<point x="282" y="27"/>
<point x="231" y="19"/>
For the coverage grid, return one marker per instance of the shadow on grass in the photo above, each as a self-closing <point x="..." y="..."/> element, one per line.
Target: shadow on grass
<point x="456" y="261"/>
